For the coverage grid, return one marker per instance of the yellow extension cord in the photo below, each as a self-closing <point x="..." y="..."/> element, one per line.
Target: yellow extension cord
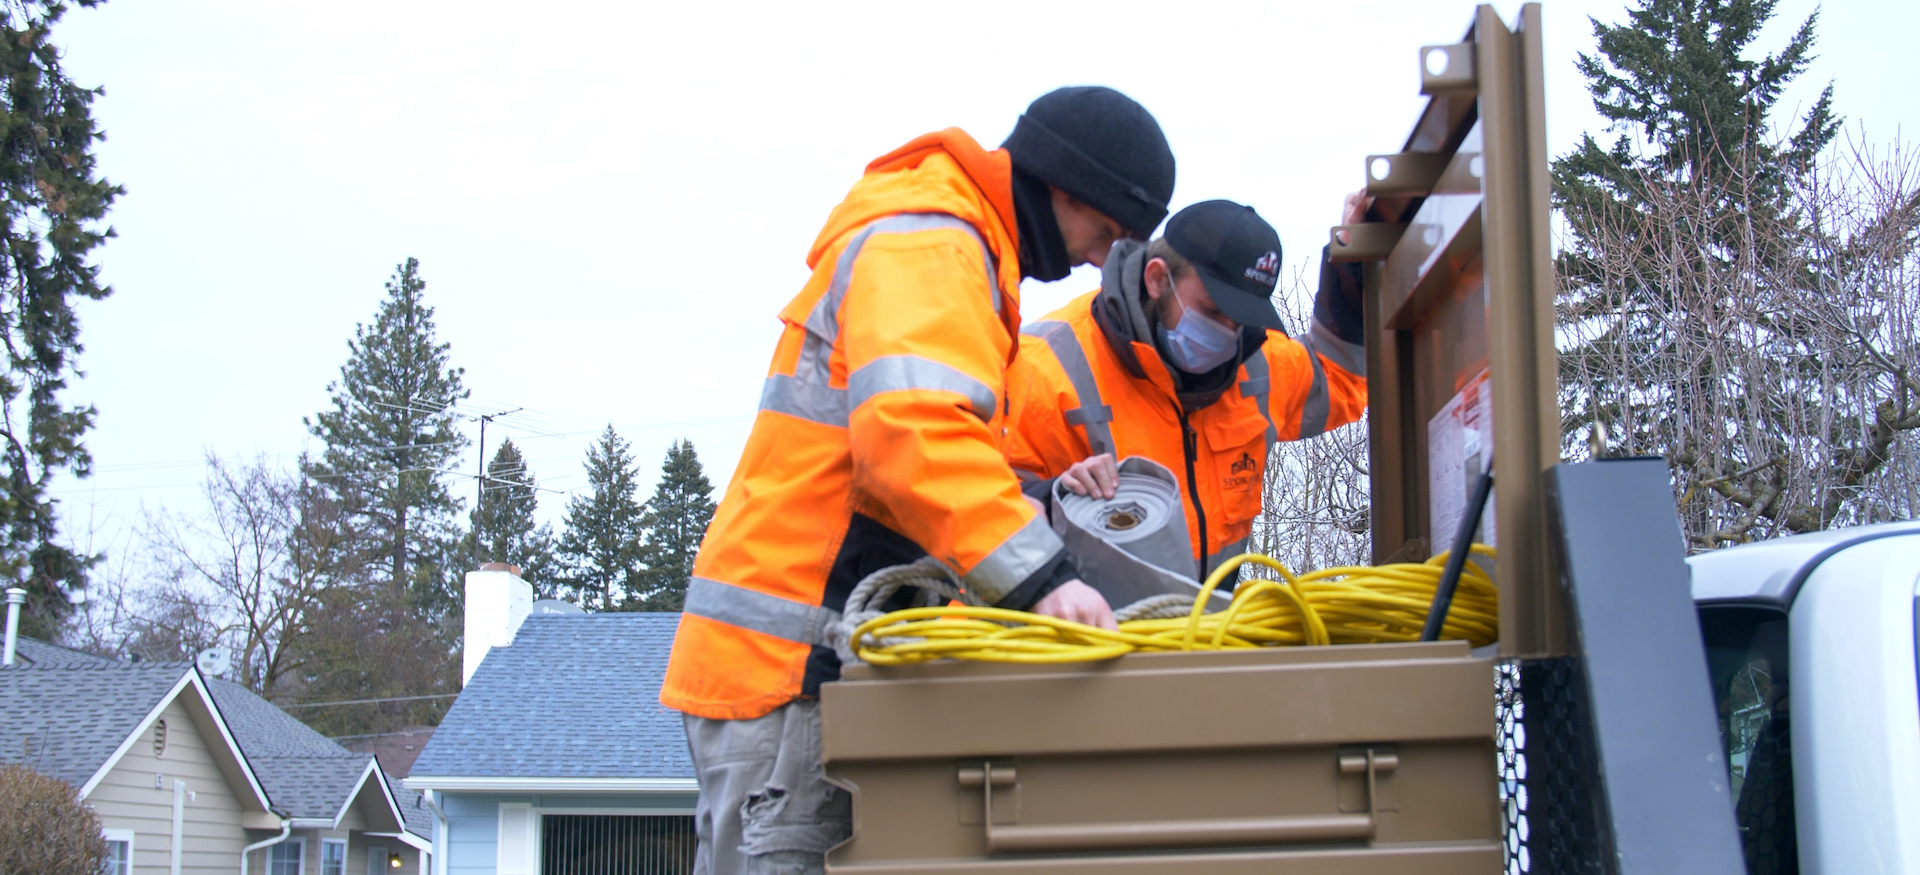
<point x="1348" y="605"/>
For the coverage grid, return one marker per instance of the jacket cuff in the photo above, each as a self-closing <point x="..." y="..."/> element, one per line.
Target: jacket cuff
<point x="1038" y="490"/>
<point x="1057" y="571"/>
<point x="1337" y="306"/>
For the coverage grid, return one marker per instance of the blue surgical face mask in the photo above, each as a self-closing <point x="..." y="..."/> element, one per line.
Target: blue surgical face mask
<point x="1199" y="343"/>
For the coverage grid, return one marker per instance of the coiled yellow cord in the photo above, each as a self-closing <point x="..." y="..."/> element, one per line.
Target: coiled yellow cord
<point x="1346" y="605"/>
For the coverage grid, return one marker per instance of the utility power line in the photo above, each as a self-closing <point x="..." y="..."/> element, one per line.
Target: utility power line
<point x="370" y="701"/>
<point x="380" y="734"/>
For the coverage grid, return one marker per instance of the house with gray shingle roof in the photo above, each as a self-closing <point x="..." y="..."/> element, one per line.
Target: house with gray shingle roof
<point x="152" y="744"/>
<point x="333" y="796"/>
<point x="147" y="748"/>
<point x="558" y="755"/>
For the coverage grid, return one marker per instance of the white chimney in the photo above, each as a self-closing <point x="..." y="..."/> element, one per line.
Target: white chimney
<point x="15" y="598"/>
<point x="498" y="601"/>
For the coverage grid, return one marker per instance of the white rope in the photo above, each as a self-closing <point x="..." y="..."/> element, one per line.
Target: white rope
<point x="930" y="576"/>
<point x="1171" y="606"/>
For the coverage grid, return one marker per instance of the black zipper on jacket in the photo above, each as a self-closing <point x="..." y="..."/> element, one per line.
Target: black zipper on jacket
<point x="1190" y="444"/>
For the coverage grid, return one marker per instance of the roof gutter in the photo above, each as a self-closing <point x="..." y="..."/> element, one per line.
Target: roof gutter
<point x="551" y="785"/>
<point x="406" y="838"/>
<point x="286" y="827"/>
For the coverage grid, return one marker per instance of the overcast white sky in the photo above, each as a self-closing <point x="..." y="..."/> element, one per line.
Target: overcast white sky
<point x="611" y="200"/>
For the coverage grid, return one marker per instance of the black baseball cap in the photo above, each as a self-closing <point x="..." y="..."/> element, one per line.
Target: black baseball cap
<point x="1238" y="256"/>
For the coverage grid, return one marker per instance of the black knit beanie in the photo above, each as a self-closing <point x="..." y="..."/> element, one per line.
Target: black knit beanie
<point x="1100" y="146"/>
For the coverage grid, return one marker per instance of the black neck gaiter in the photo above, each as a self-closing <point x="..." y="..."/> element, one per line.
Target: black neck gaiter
<point x="1043" y="252"/>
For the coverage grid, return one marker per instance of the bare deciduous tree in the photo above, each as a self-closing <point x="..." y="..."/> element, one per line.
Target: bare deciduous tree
<point x="1770" y="355"/>
<point x="1315" y="506"/>
<point x="247" y="572"/>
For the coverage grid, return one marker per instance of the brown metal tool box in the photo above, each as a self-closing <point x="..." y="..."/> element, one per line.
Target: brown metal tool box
<point x="1350" y="759"/>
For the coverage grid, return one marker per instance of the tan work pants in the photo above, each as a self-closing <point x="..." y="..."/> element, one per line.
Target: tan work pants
<point x="765" y="808"/>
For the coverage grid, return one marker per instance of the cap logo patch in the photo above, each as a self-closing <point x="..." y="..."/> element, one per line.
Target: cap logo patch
<point x="1265" y="271"/>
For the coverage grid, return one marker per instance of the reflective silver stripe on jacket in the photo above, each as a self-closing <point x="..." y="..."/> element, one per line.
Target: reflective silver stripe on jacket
<point x="813" y="402"/>
<point x="1313" y="411"/>
<point x="1092" y="416"/>
<point x="1015" y="560"/>
<point x="759" y="612"/>
<point x="808" y="393"/>
<point x="1228" y="552"/>
<point x="900" y="373"/>
<point x="1351" y="357"/>
<point x="1258" y="386"/>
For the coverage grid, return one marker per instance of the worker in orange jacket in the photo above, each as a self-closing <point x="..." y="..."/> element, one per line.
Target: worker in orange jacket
<point x="878" y="442"/>
<point x="1180" y="357"/>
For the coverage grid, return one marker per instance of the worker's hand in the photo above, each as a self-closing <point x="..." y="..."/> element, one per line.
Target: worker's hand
<point x="1077" y="602"/>
<point x="1354" y="211"/>
<point x="1097" y="476"/>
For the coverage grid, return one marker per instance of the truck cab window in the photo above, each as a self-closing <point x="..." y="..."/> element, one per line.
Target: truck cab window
<point x="1747" y="664"/>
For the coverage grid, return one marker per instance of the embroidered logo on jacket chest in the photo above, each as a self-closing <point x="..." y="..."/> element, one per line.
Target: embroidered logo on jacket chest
<point x="1240" y="473"/>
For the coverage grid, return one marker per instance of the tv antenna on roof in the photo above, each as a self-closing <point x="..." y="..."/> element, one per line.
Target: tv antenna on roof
<point x="480" y="488"/>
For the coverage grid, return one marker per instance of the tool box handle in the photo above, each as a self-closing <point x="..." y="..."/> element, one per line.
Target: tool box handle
<point x="1128" y="836"/>
<point x="1178" y="833"/>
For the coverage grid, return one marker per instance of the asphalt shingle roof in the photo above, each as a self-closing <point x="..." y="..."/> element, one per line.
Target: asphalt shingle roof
<point x="65" y="720"/>
<point x="419" y="819"/>
<point x="33" y="651"/>
<point x="575" y="696"/>
<point x="264" y="730"/>
<point x="67" y="711"/>
<point x="310" y="786"/>
<point x="305" y="773"/>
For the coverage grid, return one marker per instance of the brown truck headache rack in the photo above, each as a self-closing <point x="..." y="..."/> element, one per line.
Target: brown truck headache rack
<point x="1459" y="286"/>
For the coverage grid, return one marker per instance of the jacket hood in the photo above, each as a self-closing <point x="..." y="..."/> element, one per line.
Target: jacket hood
<point x="1120" y="310"/>
<point x="945" y="171"/>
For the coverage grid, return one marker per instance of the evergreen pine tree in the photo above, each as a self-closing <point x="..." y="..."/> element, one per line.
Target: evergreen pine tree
<point x="1710" y="308"/>
<point x="503" y="523"/>
<point x="52" y="203"/>
<point x="1679" y="73"/>
<point x="388" y="437"/>
<point x="600" y="547"/>
<point x="675" y="522"/>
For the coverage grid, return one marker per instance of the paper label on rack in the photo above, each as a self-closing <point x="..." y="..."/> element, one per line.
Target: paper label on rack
<point x="1459" y="442"/>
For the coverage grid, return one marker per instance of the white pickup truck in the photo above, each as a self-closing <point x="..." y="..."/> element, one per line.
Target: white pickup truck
<point x="1816" y="678"/>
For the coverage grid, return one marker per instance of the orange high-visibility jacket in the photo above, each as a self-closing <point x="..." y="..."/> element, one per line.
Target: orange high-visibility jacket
<point x="1072" y="395"/>
<point x="877" y="437"/>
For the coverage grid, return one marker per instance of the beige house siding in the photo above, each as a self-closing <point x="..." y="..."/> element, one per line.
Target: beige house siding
<point x="310" y="855"/>
<point x="357" y="855"/>
<point x="127" y="799"/>
<point x="358" y="844"/>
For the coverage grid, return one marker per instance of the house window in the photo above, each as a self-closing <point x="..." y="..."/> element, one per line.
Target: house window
<point x="333" y="857"/>
<point x="287" y="858"/>
<point x="119" y="858"/>
<point x="584" y="844"/>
